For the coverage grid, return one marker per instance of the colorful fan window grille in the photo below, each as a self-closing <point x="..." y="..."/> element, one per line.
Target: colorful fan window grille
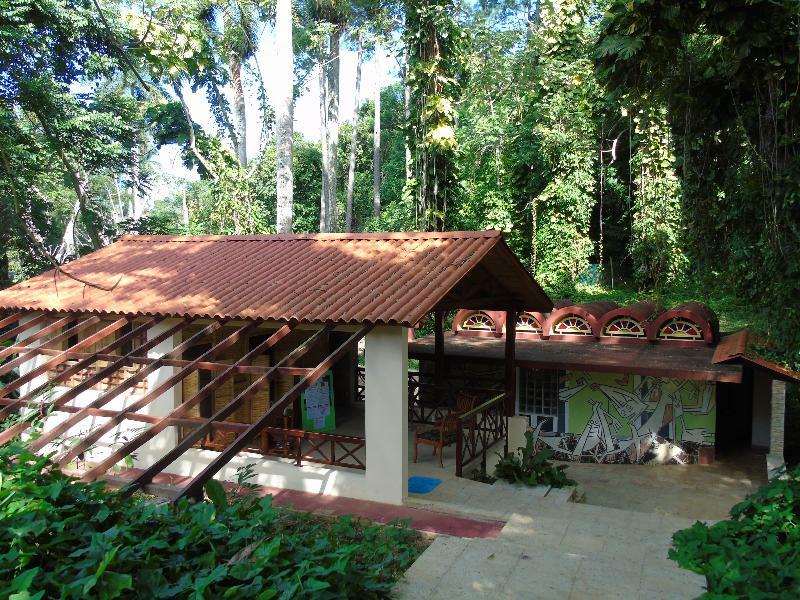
<point x="478" y="322"/>
<point x="624" y="327"/>
<point x="528" y="323"/>
<point x="573" y="325"/>
<point x="680" y="329"/>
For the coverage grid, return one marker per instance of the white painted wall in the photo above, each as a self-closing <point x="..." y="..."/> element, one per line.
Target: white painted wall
<point x="281" y="473"/>
<point x="166" y="402"/>
<point x="29" y="365"/>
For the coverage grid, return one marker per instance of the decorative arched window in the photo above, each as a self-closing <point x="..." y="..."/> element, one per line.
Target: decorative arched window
<point x="572" y="325"/>
<point x="624" y="327"/>
<point x="528" y="323"/>
<point x="478" y="321"/>
<point x="680" y="329"/>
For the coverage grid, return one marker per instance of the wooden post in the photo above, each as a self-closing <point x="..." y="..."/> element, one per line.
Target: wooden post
<point x="510" y="358"/>
<point x="439" y="360"/>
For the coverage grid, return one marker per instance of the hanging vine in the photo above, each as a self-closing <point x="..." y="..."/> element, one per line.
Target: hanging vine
<point x="657" y="224"/>
<point x="436" y="45"/>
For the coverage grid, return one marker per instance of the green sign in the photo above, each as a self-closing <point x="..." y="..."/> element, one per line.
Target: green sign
<point x="317" y="405"/>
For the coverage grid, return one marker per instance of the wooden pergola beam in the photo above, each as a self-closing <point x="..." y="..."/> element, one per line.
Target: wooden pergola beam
<point x="24" y="357"/>
<point x="95" y="412"/>
<point x="145" y="360"/>
<point x="62" y="357"/>
<point x="181" y="410"/>
<point x="89" y="359"/>
<point x="13" y="333"/>
<point x="182" y="374"/>
<point x="223" y="413"/>
<point x="43" y="332"/>
<point x="14" y="318"/>
<point x="19" y="428"/>
<point x="195" y="486"/>
<point x="62" y="428"/>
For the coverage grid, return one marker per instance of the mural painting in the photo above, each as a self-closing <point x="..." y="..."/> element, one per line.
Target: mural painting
<point x="610" y="418"/>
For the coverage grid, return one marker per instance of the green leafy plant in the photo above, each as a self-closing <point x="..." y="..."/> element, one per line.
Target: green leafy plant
<point x="61" y="538"/>
<point x="755" y="553"/>
<point x="532" y="468"/>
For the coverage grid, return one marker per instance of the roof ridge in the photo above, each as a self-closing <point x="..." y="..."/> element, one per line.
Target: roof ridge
<point x="389" y="235"/>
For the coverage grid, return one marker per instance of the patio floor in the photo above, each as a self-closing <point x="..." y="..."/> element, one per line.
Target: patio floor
<point x="689" y="491"/>
<point x="613" y="546"/>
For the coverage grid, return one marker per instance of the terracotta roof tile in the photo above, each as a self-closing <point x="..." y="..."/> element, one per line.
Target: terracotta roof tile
<point x="389" y="278"/>
<point x="739" y="348"/>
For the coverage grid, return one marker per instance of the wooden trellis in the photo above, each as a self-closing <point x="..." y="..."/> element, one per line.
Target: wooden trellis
<point x="65" y="330"/>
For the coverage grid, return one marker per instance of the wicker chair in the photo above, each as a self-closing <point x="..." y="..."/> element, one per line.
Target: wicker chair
<point x="445" y="431"/>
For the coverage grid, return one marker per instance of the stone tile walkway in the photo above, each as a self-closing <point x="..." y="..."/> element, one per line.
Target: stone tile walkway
<point x="549" y="550"/>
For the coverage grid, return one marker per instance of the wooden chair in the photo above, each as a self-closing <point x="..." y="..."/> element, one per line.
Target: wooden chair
<point x="445" y="431"/>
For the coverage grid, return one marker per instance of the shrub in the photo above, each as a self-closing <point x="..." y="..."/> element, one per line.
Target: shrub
<point x="63" y="538"/>
<point x="531" y="468"/>
<point x="755" y="553"/>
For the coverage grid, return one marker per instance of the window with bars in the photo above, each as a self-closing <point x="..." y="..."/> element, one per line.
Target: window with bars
<point x="538" y="392"/>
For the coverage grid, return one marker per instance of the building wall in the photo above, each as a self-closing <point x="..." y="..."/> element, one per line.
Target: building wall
<point x="615" y="418"/>
<point x="612" y="418"/>
<point x="762" y="410"/>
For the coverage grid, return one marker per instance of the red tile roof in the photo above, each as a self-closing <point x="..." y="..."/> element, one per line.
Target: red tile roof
<point x="657" y="360"/>
<point x="738" y="348"/>
<point x="382" y="278"/>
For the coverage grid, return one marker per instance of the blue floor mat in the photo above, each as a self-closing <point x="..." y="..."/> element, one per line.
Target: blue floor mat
<point x="422" y="485"/>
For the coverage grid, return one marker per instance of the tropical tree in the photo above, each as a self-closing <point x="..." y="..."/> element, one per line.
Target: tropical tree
<point x="284" y="116"/>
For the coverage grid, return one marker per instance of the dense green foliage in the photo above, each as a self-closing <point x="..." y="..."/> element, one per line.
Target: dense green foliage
<point x="60" y="538"/>
<point x="644" y="148"/>
<point x="724" y="80"/>
<point x="755" y="553"/>
<point x="530" y="467"/>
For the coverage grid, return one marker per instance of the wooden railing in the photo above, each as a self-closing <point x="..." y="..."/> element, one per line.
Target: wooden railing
<point x="478" y="430"/>
<point x="418" y="412"/>
<point x="309" y="446"/>
<point x="360" y="383"/>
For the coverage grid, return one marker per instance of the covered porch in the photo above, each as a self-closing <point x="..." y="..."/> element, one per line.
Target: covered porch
<point x="237" y="375"/>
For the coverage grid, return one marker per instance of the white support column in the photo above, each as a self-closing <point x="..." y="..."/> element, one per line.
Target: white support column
<point x="775" y="458"/>
<point x="386" y="413"/>
<point x="167" y="401"/>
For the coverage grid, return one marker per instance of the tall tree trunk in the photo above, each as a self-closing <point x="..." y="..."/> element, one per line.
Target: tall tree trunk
<point x="376" y="137"/>
<point x="67" y="247"/>
<point x="324" y="200"/>
<point x="5" y="276"/>
<point x="136" y="187"/>
<point x="333" y="123"/>
<point x="5" y="238"/>
<point x="185" y="211"/>
<point x="406" y="114"/>
<point x="284" y="116"/>
<point x="235" y="66"/>
<point x="351" y="171"/>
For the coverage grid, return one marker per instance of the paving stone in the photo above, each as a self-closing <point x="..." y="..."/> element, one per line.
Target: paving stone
<point x="565" y="551"/>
